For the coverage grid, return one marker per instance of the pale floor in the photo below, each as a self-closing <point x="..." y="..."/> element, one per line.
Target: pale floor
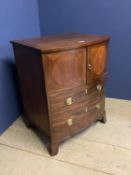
<point x="100" y="150"/>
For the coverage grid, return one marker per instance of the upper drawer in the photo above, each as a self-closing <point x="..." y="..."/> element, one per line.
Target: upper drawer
<point x="76" y="98"/>
<point x="65" y="69"/>
<point x="68" y="100"/>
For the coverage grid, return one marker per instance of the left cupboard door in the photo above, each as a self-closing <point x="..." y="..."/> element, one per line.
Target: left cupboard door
<point x="65" y="69"/>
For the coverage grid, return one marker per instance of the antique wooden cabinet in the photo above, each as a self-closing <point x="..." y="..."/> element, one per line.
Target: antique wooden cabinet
<point x="62" y="83"/>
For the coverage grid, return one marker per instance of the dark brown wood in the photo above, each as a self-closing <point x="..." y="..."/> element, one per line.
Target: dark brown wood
<point x="62" y="42"/>
<point x="97" y="63"/>
<point x="53" y="148"/>
<point x="62" y="82"/>
<point x="65" y="69"/>
<point x="30" y="73"/>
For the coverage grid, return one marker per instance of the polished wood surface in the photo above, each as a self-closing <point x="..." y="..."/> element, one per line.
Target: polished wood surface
<point x="62" y="82"/>
<point x="29" y="68"/>
<point x="62" y="42"/>
<point x="97" y="58"/>
<point x="97" y="63"/>
<point x="65" y="69"/>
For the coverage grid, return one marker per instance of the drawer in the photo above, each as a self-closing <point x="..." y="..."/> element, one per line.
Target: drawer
<point x="94" y="95"/>
<point x="68" y="123"/>
<point x="76" y="98"/>
<point x="98" y="85"/>
<point x="68" y="99"/>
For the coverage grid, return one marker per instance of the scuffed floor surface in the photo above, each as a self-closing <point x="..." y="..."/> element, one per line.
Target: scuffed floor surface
<point x="100" y="150"/>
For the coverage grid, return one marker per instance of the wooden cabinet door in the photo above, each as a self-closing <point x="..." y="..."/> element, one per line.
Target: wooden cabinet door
<point x="65" y="69"/>
<point x="96" y="64"/>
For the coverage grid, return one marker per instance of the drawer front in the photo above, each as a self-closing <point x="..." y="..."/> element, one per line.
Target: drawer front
<point x="76" y="98"/>
<point x="65" y="124"/>
<point x="68" y="99"/>
<point x="96" y="93"/>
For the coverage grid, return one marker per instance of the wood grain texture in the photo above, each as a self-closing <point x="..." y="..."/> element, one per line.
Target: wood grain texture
<point x="30" y="75"/>
<point x="62" y="42"/>
<point x="62" y="81"/>
<point x="97" y="59"/>
<point x="65" y="69"/>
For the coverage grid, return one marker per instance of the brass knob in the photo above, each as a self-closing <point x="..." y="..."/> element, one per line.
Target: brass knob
<point x="98" y="106"/>
<point x="70" y="122"/>
<point x="89" y="66"/>
<point x="86" y="91"/>
<point x="99" y="87"/>
<point x="86" y="110"/>
<point x="69" y="101"/>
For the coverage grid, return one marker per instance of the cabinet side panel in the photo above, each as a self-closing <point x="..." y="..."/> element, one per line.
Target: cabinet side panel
<point x="32" y="87"/>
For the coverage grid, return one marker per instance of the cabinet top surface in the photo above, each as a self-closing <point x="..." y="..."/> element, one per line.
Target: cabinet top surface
<point x="61" y="42"/>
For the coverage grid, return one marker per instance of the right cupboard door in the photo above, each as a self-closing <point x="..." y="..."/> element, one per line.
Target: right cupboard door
<point x="96" y="63"/>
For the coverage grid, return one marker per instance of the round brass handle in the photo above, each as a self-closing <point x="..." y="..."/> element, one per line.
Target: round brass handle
<point x="69" y="101"/>
<point x="89" y="66"/>
<point x="86" y="91"/>
<point x="86" y="110"/>
<point x="98" y="106"/>
<point x="70" y="122"/>
<point x="99" y="87"/>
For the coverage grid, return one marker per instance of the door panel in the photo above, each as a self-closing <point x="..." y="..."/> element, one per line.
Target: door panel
<point x="97" y="59"/>
<point x="65" y="69"/>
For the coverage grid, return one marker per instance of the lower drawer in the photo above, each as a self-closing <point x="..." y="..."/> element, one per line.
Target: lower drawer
<point x="65" y="124"/>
